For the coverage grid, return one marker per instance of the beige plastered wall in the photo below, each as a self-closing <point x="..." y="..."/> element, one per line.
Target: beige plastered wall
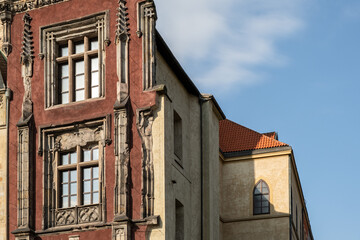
<point x="176" y="179"/>
<point x="239" y="176"/>
<point x="3" y="167"/>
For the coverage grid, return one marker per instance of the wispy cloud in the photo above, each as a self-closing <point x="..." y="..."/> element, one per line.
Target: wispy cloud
<point x="232" y="38"/>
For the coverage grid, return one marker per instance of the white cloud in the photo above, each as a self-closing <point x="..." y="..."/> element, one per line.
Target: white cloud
<point x="232" y="37"/>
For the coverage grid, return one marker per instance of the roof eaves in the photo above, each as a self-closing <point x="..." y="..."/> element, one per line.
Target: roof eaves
<point x="256" y="151"/>
<point x="174" y="64"/>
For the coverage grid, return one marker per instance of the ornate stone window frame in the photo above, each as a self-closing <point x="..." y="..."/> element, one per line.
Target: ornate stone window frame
<point x="58" y="139"/>
<point x="53" y="35"/>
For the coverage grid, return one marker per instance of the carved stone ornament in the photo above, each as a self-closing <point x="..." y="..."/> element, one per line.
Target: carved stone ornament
<point x="6" y="19"/>
<point x="26" y="60"/>
<point x="121" y="191"/>
<point x="22" y="6"/>
<point x="144" y="123"/>
<point x="146" y="29"/>
<point x="121" y="232"/>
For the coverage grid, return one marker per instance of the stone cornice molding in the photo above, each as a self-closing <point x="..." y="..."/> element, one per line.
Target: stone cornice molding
<point x="23" y="6"/>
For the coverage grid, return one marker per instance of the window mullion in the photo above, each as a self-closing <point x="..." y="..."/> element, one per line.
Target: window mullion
<point x="71" y="71"/>
<point x="78" y="171"/>
<point x="86" y="67"/>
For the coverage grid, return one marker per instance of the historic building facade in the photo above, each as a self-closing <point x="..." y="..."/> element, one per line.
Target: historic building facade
<point x="104" y="136"/>
<point x="102" y="132"/>
<point x="261" y="194"/>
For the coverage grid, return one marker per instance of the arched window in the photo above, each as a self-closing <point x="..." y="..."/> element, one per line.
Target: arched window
<point x="261" y="198"/>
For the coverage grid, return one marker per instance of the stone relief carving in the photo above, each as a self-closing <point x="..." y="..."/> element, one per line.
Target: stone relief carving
<point x="79" y="137"/>
<point x="22" y="6"/>
<point x="121" y="164"/>
<point x="26" y="60"/>
<point x="6" y="19"/>
<point x="144" y="123"/>
<point x="146" y="29"/>
<point x="65" y="217"/>
<point x="122" y="52"/>
<point x="89" y="214"/>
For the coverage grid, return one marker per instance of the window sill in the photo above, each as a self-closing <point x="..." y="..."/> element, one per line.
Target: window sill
<point x="90" y="100"/>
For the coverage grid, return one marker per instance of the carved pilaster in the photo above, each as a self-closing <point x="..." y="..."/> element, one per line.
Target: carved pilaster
<point x="121" y="165"/>
<point x="25" y="183"/>
<point x="27" y="56"/>
<point x="144" y="123"/>
<point x="146" y="29"/>
<point x="6" y="19"/>
<point x="122" y="52"/>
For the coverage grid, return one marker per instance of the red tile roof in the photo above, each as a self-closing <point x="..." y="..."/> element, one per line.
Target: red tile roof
<point x="236" y="138"/>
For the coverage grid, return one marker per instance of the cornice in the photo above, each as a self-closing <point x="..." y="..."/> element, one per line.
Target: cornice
<point x="23" y="6"/>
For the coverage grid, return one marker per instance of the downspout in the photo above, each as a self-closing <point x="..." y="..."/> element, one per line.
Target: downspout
<point x="201" y="100"/>
<point x="8" y="95"/>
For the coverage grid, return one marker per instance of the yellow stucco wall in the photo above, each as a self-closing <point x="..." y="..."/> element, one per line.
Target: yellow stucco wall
<point x="238" y="180"/>
<point x="3" y="166"/>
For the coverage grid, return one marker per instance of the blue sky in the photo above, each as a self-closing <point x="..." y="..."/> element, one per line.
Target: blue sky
<point x="286" y="65"/>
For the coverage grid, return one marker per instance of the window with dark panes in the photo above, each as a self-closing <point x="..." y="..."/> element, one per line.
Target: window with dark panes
<point x="261" y="198"/>
<point x="79" y="177"/>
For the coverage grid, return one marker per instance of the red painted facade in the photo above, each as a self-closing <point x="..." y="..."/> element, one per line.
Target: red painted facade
<point x="78" y="111"/>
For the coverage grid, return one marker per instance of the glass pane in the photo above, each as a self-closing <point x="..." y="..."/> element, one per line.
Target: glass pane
<point x="265" y="189"/>
<point x="95" y="92"/>
<point x="257" y="198"/>
<point x="95" y="79"/>
<point x="73" y="189"/>
<point x="73" y="158"/>
<point x="257" y="191"/>
<point x="73" y="176"/>
<point x="64" y="70"/>
<point x="95" y="153"/>
<point x="87" y="187"/>
<point x="86" y="173"/>
<point x="266" y="197"/>
<point x="94" y="44"/>
<point x="265" y="203"/>
<point x="96" y="197"/>
<point x="86" y="155"/>
<point x="257" y="204"/>
<point x="65" y="159"/>
<point x="79" y="81"/>
<point x="80" y="95"/>
<point x="94" y="64"/>
<point x="64" y="50"/>
<point x="64" y="98"/>
<point x="79" y="47"/>
<point x="257" y="210"/>
<point x="265" y="210"/>
<point x="79" y="67"/>
<point x="65" y="202"/>
<point x="73" y="201"/>
<point x="65" y="85"/>
<point x="95" y="172"/>
<point x="86" y="199"/>
<point x="95" y="185"/>
<point x="65" y="177"/>
<point x="65" y="189"/>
